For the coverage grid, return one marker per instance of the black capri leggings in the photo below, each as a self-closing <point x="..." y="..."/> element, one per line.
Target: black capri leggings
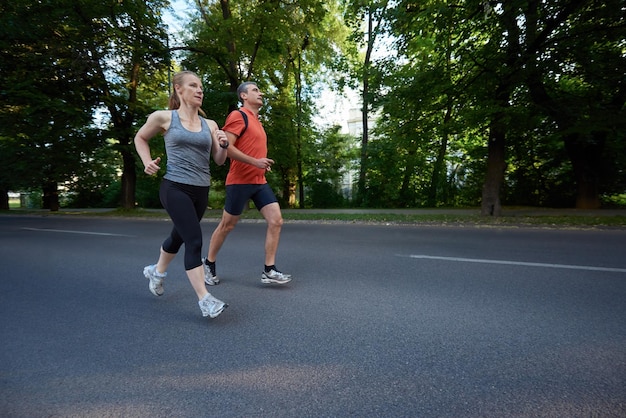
<point x="186" y="205"/>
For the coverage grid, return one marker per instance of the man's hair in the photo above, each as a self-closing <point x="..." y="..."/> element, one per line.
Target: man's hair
<point x="243" y="88"/>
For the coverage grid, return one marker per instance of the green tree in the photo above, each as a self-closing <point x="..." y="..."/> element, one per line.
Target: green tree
<point x="366" y="20"/>
<point x="422" y="101"/>
<point x="533" y="52"/>
<point x="127" y="43"/>
<point x="521" y="75"/>
<point x="328" y="161"/>
<point x="59" y="70"/>
<point x="577" y="77"/>
<point x="282" y="45"/>
<point x="46" y="98"/>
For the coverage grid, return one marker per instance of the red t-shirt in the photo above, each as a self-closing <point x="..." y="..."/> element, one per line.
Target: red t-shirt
<point x="253" y="142"/>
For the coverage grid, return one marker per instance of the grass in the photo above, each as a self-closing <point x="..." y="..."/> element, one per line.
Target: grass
<point x="539" y="218"/>
<point x="466" y="219"/>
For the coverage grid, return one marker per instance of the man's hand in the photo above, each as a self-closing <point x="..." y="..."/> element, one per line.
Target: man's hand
<point x="264" y="164"/>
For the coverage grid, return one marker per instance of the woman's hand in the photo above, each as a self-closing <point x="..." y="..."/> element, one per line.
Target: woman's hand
<point x="153" y="166"/>
<point x="222" y="140"/>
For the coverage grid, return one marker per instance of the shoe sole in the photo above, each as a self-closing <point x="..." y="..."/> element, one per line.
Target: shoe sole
<point x="266" y="280"/>
<point x="220" y="311"/>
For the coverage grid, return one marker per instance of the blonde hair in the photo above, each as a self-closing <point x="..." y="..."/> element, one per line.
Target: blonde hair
<point x="178" y="79"/>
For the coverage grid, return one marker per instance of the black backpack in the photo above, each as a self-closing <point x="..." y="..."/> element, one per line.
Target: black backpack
<point x="245" y="122"/>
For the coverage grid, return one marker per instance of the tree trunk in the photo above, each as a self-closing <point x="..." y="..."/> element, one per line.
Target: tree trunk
<point x="584" y="155"/>
<point x="288" y="189"/>
<point x="292" y="195"/>
<point x="231" y="68"/>
<point x="300" y="174"/>
<point x="365" y="111"/>
<point x="129" y="180"/>
<point x="51" y="196"/>
<point x="364" y="140"/>
<point x="491" y="205"/>
<point x="439" y="168"/>
<point x="407" y="198"/>
<point x="586" y="164"/>
<point x="587" y="196"/>
<point x="4" y="199"/>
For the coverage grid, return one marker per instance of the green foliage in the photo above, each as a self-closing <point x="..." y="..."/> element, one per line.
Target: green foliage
<point x="280" y="125"/>
<point x="60" y="75"/>
<point x="147" y="192"/>
<point x="616" y="201"/>
<point x="466" y="67"/>
<point x="147" y="195"/>
<point x="327" y="163"/>
<point x="282" y="46"/>
<point x="91" y="185"/>
<point x="545" y="78"/>
<point x="324" y="195"/>
<point x="217" y="197"/>
<point x="44" y="124"/>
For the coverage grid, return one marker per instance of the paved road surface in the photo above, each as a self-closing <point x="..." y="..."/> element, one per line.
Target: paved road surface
<point x="380" y="321"/>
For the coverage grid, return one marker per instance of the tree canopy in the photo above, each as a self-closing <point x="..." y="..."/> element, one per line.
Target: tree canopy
<point x="463" y="102"/>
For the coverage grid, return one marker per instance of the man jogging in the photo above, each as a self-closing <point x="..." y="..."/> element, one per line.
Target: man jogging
<point x="246" y="181"/>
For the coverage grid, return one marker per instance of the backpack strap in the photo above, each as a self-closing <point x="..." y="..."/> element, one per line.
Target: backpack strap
<point x="245" y="121"/>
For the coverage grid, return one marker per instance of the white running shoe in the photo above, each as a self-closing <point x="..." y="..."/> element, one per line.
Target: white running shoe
<point x="275" y="276"/>
<point x="210" y="277"/>
<point x="211" y="306"/>
<point x="156" y="279"/>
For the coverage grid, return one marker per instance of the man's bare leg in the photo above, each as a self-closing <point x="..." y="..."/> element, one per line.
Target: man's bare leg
<point x="274" y="220"/>
<point x="227" y="224"/>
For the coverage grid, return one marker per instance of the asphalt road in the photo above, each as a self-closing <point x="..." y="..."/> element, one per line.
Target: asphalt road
<point x="379" y="321"/>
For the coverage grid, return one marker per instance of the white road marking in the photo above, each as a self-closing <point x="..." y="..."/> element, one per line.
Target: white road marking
<point x="515" y="263"/>
<point x="69" y="231"/>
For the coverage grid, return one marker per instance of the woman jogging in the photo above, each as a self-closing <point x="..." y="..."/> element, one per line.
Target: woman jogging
<point x="189" y="141"/>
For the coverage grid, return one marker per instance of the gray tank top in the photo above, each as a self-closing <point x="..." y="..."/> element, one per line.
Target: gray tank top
<point x="188" y="153"/>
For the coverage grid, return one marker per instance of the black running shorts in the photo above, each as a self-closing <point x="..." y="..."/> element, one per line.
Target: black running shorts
<point x="237" y="196"/>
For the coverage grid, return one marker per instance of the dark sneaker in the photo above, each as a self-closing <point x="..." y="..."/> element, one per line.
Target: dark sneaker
<point x="155" y="278"/>
<point x="211" y="306"/>
<point x="210" y="277"/>
<point x="275" y="276"/>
